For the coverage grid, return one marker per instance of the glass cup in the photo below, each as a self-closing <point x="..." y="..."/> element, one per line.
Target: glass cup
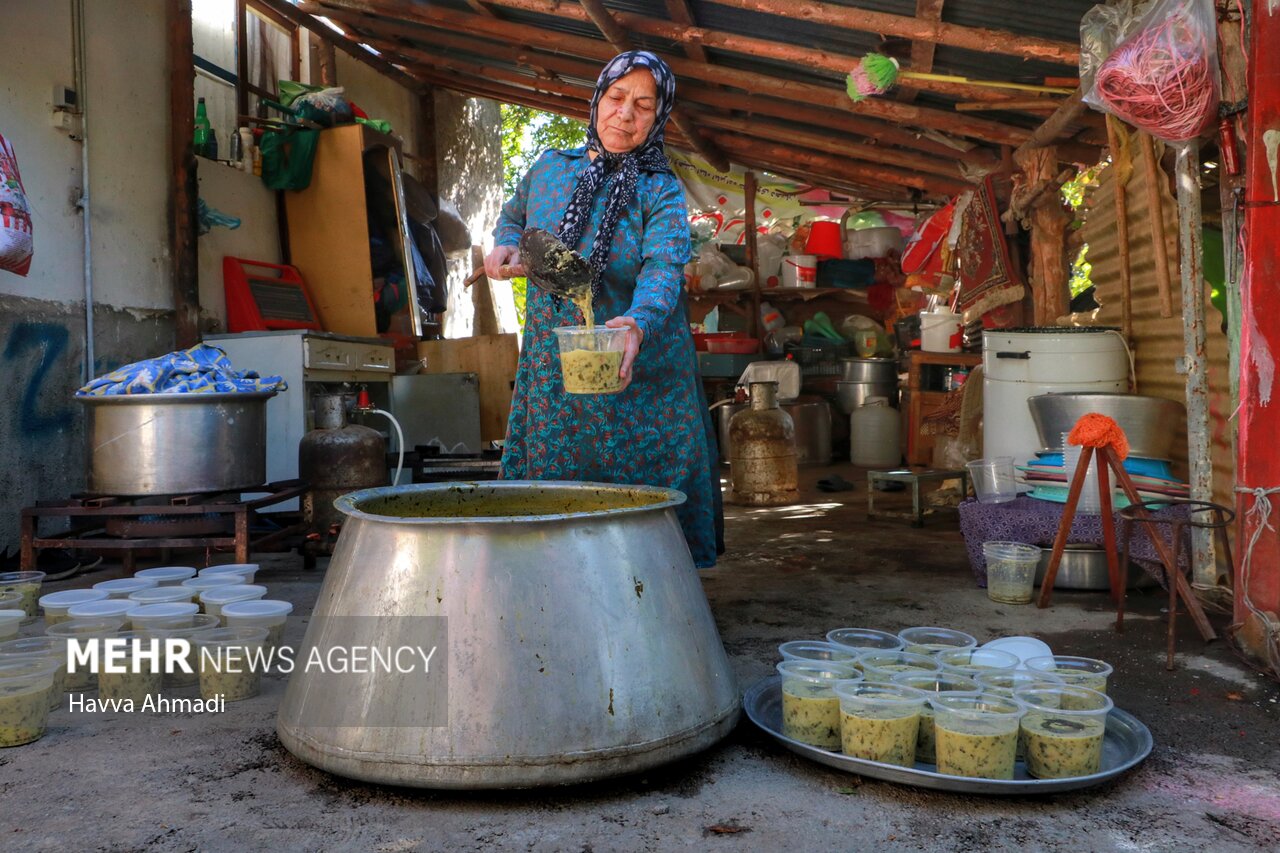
<point x="930" y="640"/>
<point x="591" y="358"/>
<point x="880" y="721"/>
<point x="810" y="709"/>
<point x="1064" y="729"/>
<point x="932" y="684"/>
<point x="977" y="736"/>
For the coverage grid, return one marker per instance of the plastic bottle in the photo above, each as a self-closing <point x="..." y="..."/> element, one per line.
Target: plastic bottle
<point x="202" y="128"/>
<point x="211" y="147"/>
<point x="770" y="317"/>
<point x="246" y="149"/>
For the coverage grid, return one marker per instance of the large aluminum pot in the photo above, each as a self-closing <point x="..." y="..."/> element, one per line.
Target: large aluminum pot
<point x="851" y="396"/>
<point x="880" y="370"/>
<point x="1148" y="422"/>
<point x="165" y="444"/>
<point x="813" y="430"/>
<point x="580" y="643"/>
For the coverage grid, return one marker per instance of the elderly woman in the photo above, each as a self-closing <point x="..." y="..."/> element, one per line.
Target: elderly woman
<point x="617" y="202"/>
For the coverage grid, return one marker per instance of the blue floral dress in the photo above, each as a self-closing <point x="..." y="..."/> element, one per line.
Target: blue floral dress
<point x="658" y="431"/>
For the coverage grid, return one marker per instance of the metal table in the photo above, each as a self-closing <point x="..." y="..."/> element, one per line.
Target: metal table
<point x="914" y="478"/>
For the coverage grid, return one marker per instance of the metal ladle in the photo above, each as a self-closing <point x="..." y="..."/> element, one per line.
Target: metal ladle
<point x="553" y="266"/>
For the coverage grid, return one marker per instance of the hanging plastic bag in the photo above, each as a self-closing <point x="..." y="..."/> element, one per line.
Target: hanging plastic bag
<point x="16" y="243"/>
<point x="1101" y="29"/>
<point x="1163" y="78"/>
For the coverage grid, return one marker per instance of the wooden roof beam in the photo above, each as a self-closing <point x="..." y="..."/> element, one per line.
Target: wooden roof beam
<point x="1067" y="113"/>
<point x="346" y="45"/>
<point x="922" y="51"/>
<point x="617" y="36"/>
<point x="750" y="46"/>
<point x="936" y="32"/>
<point x="680" y="12"/>
<point x="788" y="107"/>
<point x="760" y="84"/>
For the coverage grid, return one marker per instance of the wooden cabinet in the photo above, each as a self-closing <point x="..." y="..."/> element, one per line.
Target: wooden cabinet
<point x="329" y="230"/>
<point x="918" y="402"/>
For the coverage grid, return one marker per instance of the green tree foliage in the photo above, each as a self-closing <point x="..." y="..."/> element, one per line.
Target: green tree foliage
<point x="1074" y="192"/>
<point x="526" y="133"/>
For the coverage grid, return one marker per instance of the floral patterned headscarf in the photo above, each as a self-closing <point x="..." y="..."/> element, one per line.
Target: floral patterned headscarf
<point x="619" y="171"/>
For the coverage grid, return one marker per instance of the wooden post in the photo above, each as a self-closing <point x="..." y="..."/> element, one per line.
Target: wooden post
<point x="242" y="60"/>
<point x="1122" y="168"/>
<point x="183" y="191"/>
<point x="326" y="60"/>
<point x="1043" y="210"/>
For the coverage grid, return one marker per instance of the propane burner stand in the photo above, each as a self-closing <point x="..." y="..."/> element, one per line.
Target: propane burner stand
<point x="211" y="520"/>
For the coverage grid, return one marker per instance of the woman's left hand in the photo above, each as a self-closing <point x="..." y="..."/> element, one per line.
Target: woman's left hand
<point x="635" y="336"/>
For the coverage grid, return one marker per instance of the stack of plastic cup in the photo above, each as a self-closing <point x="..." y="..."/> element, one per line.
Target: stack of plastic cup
<point x="1090" y="498"/>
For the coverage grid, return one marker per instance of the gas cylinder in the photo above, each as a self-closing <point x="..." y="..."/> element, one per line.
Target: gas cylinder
<point x="762" y="452"/>
<point x="335" y="458"/>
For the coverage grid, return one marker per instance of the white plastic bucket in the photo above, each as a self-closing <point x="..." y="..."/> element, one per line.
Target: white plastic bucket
<point x="800" y="271"/>
<point x="940" y="331"/>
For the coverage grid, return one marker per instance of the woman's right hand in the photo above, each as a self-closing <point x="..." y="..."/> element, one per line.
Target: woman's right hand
<point x="503" y="263"/>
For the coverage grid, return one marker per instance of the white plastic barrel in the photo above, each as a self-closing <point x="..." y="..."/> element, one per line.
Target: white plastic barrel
<point x="873" y="435"/>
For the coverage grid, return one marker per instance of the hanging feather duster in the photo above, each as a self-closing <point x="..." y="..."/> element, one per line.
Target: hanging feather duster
<point x="875" y="75"/>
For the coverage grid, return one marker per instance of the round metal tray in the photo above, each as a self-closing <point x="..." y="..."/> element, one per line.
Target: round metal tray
<point x="1126" y="745"/>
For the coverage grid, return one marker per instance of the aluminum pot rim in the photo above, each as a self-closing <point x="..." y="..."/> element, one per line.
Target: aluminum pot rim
<point x="347" y="504"/>
<point x="189" y="397"/>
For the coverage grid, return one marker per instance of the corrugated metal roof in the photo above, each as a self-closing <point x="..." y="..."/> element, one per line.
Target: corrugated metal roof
<point x="896" y="125"/>
<point x="1158" y="340"/>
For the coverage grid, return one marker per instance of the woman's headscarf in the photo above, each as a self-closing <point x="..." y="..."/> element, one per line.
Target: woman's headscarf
<point x="620" y="171"/>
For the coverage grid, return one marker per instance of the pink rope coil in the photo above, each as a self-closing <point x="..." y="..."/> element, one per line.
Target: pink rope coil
<point x="1160" y="80"/>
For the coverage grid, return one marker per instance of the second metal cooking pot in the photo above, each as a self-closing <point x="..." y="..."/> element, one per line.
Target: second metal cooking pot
<point x="167" y="444"/>
<point x="1148" y="422"/>
<point x="878" y="370"/>
<point x="573" y="639"/>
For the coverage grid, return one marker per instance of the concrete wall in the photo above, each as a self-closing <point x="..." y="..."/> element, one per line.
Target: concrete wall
<point x="42" y="316"/>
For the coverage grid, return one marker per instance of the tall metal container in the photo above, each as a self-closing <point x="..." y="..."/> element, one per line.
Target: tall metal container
<point x="762" y="452"/>
<point x="572" y="638"/>
<point x="335" y="458"/>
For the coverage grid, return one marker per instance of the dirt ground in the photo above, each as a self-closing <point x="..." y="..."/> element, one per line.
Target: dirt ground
<point x="224" y="782"/>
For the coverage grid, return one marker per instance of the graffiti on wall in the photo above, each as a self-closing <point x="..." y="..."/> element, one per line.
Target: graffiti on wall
<point x="33" y="351"/>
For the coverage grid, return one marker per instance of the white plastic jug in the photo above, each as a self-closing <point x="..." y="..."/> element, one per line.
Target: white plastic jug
<point x="770" y="247"/>
<point x="874" y="441"/>
<point x="940" y="331"/>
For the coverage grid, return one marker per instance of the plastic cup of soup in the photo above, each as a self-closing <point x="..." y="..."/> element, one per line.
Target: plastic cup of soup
<point x="591" y="358"/>
<point x="932" y="684"/>
<point x="928" y="640"/>
<point x="163" y="595"/>
<point x="244" y="570"/>
<point x="107" y="608"/>
<point x="259" y="613"/>
<point x="121" y="587"/>
<point x="55" y="604"/>
<point x="810" y="709"/>
<point x="213" y="600"/>
<point x="202" y="585"/>
<point x="41" y="648"/>
<point x="83" y="631"/>
<point x="1064" y="729"/>
<point x="166" y="614"/>
<point x="10" y="622"/>
<point x="25" y="686"/>
<point x="10" y="601"/>
<point x="974" y="662"/>
<point x="227" y="657"/>
<point x="883" y="666"/>
<point x="977" y="736"/>
<point x="815" y="650"/>
<point x="167" y="575"/>
<point x="1006" y="683"/>
<point x="863" y="640"/>
<point x="27" y="584"/>
<point x="1076" y="671"/>
<point x="132" y="683"/>
<point x="880" y="721"/>
<point x="186" y="629"/>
